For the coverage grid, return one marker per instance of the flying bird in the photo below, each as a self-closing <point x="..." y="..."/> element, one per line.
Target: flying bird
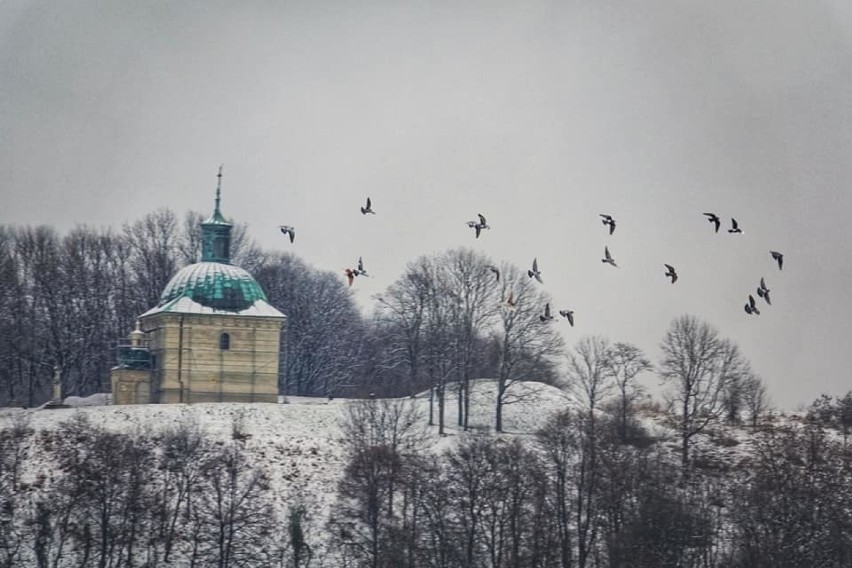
<point x="608" y="220"/>
<point x="778" y="257"/>
<point x="546" y="316"/>
<point x="360" y="270"/>
<point x="763" y="291"/>
<point x="671" y="272"/>
<point x="569" y="315"/>
<point x="751" y="307"/>
<point x="608" y="258"/>
<point x="285" y="230"/>
<point x="735" y="228"/>
<point x="535" y="273"/>
<point x="368" y="208"/>
<point x="511" y="302"/>
<point x="495" y="270"/>
<point x="350" y="275"/>
<point x="713" y="218"/>
<point x="482" y="224"/>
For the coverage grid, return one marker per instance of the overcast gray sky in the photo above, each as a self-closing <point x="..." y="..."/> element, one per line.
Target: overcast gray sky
<point x="539" y="115"/>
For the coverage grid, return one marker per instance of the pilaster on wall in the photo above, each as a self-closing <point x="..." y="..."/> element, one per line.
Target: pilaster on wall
<point x="130" y="386"/>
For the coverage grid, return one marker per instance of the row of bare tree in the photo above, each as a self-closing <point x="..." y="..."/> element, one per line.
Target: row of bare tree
<point x="110" y="499"/>
<point x="574" y="495"/>
<point x="578" y="496"/>
<point x="65" y="300"/>
<point x="447" y="321"/>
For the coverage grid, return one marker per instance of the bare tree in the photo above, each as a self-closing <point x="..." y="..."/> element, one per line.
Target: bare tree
<point x="84" y="316"/>
<point x="439" y="344"/>
<point x="697" y="365"/>
<point x="381" y="437"/>
<point x="419" y="306"/>
<point x="234" y="516"/>
<point x="793" y="503"/>
<point x="469" y="285"/>
<point x="154" y="241"/>
<point x="67" y="287"/>
<point x="562" y="441"/>
<point x="526" y="346"/>
<point x="11" y="300"/>
<point x="183" y="452"/>
<point x="97" y="513"/>
<point x="755" y="398"/>
<point x="437" y="315"/>
<point x="624" y="363"/>
<point x="321" y="340"/>
<point x="470" y="479"/>
<point x="844" y="416"/>
<point x="509" y="516"/>
<point x="362" y="522"/>
<point x="732" y="400"/>
<point x="14" y="443"/>
<point x="589" y="371"/>
<point x="396" y="423"/>
<point x="402" y="311"/>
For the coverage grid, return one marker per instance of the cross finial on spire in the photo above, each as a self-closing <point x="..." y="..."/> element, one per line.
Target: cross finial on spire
<point x="218" y="189"/>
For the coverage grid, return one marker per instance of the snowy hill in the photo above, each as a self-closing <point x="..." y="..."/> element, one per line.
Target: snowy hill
<point x="299" y="441"/>
<point x="300" y="444"/>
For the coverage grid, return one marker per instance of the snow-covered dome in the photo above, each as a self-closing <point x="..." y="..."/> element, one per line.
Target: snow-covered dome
<point x="214" y="285"/>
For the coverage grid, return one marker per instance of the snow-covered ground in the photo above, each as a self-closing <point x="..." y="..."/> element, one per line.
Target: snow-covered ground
<point x="299" y="441"/>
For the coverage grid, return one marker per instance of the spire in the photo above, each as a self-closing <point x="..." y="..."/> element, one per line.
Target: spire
<point x="217" y="217"/>
<point x="216" y="232"/>
<point x="216" y="211"/>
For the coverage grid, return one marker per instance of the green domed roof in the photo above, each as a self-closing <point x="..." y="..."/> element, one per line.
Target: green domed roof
<point x="215" y="285"/>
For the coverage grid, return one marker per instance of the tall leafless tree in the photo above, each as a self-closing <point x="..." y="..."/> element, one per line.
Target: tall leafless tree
<point x="183" y="453"/>
<point x="234" y="514"/>
<point x="154" y="241"/>
<point x="625" y="363"/>
<point x="14" y="450"/>
<point x="526" y="346"/>
<point x="755" y="398"/>
<point x="589" y="376"/>
<point x="436" y="313"/>
<point x="793" y="502"/>
<point x="322" y="337"/>
<point x="697" y="365"/>
<point x="402" y="312"/>
<point x="472" y="296"/>
<point x="556" y="439"/>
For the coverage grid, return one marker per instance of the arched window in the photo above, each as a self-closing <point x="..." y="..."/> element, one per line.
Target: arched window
<point x="224" y="341"/>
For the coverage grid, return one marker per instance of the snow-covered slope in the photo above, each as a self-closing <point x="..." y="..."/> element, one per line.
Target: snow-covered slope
<point x="299" y="441"/>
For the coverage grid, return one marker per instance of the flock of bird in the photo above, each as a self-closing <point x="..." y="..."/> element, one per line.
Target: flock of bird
<point x="762" y="291"/>
<point x="751" y="306"/>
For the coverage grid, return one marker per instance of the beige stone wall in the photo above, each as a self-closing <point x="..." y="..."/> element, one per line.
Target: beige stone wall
<point x="130" y="386"/>
<point x="190" y="366"/>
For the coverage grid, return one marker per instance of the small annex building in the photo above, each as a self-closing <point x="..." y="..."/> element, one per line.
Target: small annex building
<point x="212" y="337"/>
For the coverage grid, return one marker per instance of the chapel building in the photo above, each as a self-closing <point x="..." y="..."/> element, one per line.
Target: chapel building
<point x="212" y="337"/>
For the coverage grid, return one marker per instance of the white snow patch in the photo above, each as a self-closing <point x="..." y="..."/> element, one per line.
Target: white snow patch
<point x="99" y="399"/>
